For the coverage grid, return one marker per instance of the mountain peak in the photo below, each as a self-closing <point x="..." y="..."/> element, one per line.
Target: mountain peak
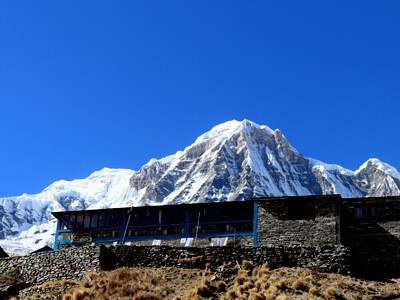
<point x="227" y="129"/>
<point x="379" y="165"/>
<point x="236" y="160"/>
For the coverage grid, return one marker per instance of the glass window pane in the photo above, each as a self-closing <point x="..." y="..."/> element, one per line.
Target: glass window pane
<point x="109" y="222"/>
<point x="95" y="218"/>
<point x="153" y="217"/>
<point x="79" y="221"/>
<point x="117" y="219"/>
<point x="86" y="222"/>
<point x="133" y="217"/>
<point x="359" y="212"/>
<point x="72" y="221"/>
<point x="373" y="212"/>
<point x="102" y="220"/>
<point x="64" y="222"/>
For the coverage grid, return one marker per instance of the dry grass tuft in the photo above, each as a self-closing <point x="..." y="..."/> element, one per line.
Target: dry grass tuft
<point x="193" y="262"/>
<point x="203" y="290"/>
<point x="241" y="279"/>
<point x="247" y="265"/>
<point x="298" y="283"/>
<point x="220" y="285"/>
<point x="144" y="295"/>
<point x="313" y="291"/>
<point x="330" y="293"/>
<point x="134" y="283"/>
<point x="255" y="283"/>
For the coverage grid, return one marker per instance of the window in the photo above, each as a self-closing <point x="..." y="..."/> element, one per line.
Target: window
<point x="152" y="216"/>
<point x="102" y="220"/>
<point x="109" y="222"/>
<point x="65" y="236"/>
<point x="358" y="212"/>
<point x="72" y="221"/>
<point x="372" y="212"/>
<point x="93" y="223"/>
<point x="79" y="221"/>
<point x="64" y="222"/>
<point x="117" y="219"/>
<point x="301" y="209"/>
<point x="173" y="216"/>
<point x="366" y="212"/>
<point x="86" y="221"/>
<point x="133" y="219"/>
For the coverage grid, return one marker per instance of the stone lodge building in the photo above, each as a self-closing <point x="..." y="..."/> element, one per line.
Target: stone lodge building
<point x="369" y="228"/>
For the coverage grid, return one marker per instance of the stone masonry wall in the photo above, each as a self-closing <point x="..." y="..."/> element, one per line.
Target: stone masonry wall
<point x="73" y="263"/>
<point x="324" y="259"/>
<point x="275" y="228"/>
<point x="11" y="263"/>
<point x="373" y="237"/>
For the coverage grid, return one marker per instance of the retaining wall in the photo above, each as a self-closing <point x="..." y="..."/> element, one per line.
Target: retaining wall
<point x="66" y="264"/>
<point x="73" y="263"/>
<point x="324" y="259"/>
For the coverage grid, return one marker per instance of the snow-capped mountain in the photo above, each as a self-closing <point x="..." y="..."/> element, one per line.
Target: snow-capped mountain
<point x="233" y="161"/>
<point x="26" y="222"/>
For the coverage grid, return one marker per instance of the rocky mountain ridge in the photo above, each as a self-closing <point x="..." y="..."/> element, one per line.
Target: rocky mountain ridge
<point x="233" y="161"/>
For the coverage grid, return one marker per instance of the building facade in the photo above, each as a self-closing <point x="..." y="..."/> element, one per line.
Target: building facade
<point x="368" y="227"/>
<point x="175" y="225"/>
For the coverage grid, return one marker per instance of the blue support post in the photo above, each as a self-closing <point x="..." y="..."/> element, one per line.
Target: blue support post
<point x="55" y="247"/>
<point x="255" y="225"/>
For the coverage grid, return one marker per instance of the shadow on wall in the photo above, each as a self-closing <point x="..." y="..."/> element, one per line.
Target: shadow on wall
<point x="375" y="251"/>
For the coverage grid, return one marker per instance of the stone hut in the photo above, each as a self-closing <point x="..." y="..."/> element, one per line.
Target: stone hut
<point x="298" y="221"/>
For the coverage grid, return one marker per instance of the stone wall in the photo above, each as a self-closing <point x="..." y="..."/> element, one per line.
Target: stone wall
<point x="73" y="263"/>
<point x="371" y="228"/>
<point x="275" y="227"/>
<point x="324" y="259"/>
<point x="11" y="263"/>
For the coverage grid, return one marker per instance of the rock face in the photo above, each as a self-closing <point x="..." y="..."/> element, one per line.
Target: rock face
<point x="240" y="160"/>
<point x="375" y="178"/>
<point x="233" y="161"/>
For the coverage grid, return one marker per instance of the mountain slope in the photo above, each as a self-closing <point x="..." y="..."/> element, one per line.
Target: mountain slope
<point x="26" y="222"/>
<point x="233" y="161"/>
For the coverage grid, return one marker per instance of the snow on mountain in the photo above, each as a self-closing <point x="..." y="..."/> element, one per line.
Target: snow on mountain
<point x="233" y="161"/>
<point x="376" y="178"/>
<point x="335" y="179"/>
<point x="26" y="221"/>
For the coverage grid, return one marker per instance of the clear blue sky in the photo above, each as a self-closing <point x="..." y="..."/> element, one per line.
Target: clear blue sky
<point x="92" y="84"/>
